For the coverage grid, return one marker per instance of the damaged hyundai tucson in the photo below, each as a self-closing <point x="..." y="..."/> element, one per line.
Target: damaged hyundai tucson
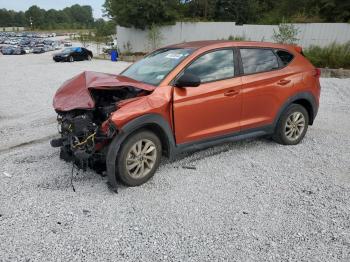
<point x="180" y="98"/>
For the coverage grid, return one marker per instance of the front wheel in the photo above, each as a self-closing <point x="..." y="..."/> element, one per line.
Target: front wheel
<point x="71" y="59"/>
<point x="139" y="158"/>
<point x="292" y="125"/>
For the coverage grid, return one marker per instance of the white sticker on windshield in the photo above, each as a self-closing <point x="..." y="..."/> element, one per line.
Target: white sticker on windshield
<point x="160" y="77"/>
<point x="174" y="56"/>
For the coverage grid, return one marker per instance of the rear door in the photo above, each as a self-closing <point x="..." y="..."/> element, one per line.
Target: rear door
<point x="84" y="54"/>
<point x="214" y="107"/>
<point x="266" y="83"/>
<point x="78" y="54"/>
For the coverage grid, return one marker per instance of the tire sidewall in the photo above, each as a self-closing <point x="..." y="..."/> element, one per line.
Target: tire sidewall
<point x="280" y="132"/>
<point x="122" y="154"/>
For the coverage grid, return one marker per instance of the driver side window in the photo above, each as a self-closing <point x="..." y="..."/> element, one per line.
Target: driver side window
<point x="213" y="66"/>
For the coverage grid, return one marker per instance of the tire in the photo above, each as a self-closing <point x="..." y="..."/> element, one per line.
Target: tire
<point x="133" y="167"/>
<point x="89" y="57"/>
<point x="71" y="59"/>
<point x="292" y="125"/>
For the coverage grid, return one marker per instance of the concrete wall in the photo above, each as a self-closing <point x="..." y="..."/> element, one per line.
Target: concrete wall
<point x="309" y="34"/>
<point x="11" y="29"/>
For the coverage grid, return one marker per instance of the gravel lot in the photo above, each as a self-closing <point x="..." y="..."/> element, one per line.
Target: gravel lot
<point x="252" y="200"/>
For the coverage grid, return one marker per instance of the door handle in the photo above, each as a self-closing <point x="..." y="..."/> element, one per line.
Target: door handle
<point x="231" y="93"/>
<point x="283" y="82"/>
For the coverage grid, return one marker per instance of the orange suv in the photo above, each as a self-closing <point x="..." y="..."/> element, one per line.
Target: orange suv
<point x="184" y="97"/>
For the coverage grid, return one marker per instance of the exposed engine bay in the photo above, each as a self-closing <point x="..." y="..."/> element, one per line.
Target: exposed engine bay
<point x="82" y="138"/>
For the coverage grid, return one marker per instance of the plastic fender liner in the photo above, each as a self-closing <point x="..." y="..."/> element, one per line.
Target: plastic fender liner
<point x="124" y="132"/>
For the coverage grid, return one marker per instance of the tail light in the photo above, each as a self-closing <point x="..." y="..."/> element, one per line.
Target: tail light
<point x="299" y="49"/>
<point x="317" y="72"/>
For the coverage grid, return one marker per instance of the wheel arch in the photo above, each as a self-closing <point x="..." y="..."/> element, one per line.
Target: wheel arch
<point x="308" y="106"/>
<point x="305" y="99"/>
<point x="158" y="130"/>
<point x="153" y="122"/>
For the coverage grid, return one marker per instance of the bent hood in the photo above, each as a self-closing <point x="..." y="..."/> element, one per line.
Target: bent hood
<point x="75" y="94"/>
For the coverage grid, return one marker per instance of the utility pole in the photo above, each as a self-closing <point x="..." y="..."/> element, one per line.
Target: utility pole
<point x="31" y="23"/>
<point x="206" y="9"/>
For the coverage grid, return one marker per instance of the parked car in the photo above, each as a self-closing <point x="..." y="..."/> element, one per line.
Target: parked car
<point x="7" y="50"/>
<point x="67" y="44"/>
<point x="39" y="49"/>
<point x="181" y="98"/>
<point x="19" y="51"/>
<point x="28" y="49"/>
<point x="57" y="46"/>
<point x="73" y="54"/>
<point x="27" y="41"/>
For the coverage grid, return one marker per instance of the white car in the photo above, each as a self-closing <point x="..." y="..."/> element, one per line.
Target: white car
<point x="28" y="50"/>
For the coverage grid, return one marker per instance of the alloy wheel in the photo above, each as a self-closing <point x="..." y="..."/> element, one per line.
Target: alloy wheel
<point x="141" y="158"/>
<point x="295" y="126"/>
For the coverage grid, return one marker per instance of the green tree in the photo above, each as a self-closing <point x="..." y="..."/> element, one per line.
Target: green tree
<point x="19" y="19"/>
<point x="36" y="15"/>
<point x="80" y="15"/>
<point x="286" y="34"/>
<point x="142" y="13"/>
<point x="239" y="11"/>
<point x="5" y="18"/>
<point x="199" y="9"/>
<point x="335" y="10"/>
<point x="104" y="28"/>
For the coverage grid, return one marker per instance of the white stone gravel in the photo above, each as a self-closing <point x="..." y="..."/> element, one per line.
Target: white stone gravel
<point x="252" y="200"/>
<point x="27" y="86"/>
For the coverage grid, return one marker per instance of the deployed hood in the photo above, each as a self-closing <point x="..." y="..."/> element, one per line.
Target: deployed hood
<point x="75" y="94"/>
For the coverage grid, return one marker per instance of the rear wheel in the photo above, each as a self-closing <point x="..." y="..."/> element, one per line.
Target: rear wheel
<point x="89" y="57"/>
<point x="292" y="125"/>
<point x="139" y="158"/>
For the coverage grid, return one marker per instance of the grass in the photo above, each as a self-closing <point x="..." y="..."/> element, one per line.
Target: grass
<point x="331" y="56"/>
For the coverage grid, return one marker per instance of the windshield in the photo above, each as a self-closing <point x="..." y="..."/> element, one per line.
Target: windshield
<point x="69" y="50"/>
<point x="157" y="65"/>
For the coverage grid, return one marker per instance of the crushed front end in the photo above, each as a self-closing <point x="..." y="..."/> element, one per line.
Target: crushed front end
<point x="84" y="106"/>
<point x="83" y="137"/>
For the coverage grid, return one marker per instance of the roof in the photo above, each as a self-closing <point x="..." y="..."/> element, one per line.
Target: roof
<point x="224" y="43"/>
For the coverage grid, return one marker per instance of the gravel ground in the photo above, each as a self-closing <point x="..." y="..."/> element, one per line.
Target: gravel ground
<point x="27" y="86"/>
<point x="252" y="200"/>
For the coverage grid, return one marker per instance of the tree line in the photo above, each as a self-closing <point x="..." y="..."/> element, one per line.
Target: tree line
<point x="145" y="13"/>
<point x="74" y="17"/>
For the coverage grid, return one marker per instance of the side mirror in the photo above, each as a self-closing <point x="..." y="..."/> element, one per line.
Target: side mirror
<point x="188" y="80"/>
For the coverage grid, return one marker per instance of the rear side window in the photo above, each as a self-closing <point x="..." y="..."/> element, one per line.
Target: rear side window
<point x="257" y="60"/>
<point x="285" y="57"/>
<point x="213" y="66"/>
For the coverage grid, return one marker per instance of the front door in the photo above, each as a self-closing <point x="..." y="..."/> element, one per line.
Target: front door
<point x="214" y="107"/>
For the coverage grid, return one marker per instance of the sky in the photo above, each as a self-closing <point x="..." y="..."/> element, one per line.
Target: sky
<point x="22" y="5"/>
